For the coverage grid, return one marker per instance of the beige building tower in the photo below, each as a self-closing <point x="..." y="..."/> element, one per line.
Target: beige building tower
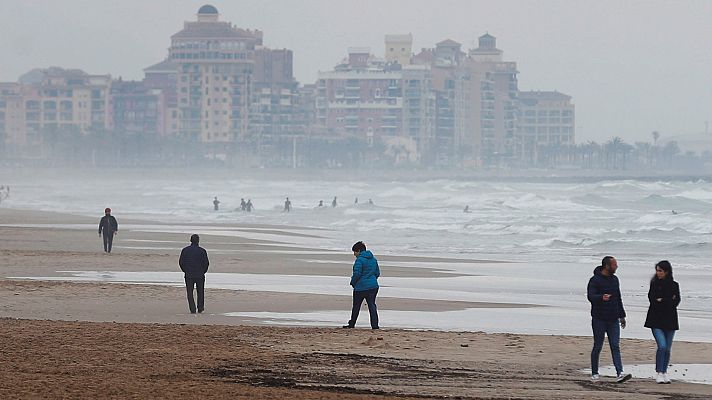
<point x="485" y="106"/>
<point x="215" y="62"/>
<point x="399" y="48"/>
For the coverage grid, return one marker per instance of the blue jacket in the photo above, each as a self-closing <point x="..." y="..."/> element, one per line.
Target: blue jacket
<point x="366" y="272"/>
<point x="599" y="285"/>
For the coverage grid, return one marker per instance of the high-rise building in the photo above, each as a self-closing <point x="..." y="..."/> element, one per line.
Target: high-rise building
<point x="163" y="77"/>
<point x="547" y="120"/>
<point x="368" y="98"/>
<point x="443" y="60"/>
<point x="138" y="109"/>
<point x="215" y="63"/>
<point x="12" y="117"/>
<point x="486" y="105"/>
<point x="274" y="102"/>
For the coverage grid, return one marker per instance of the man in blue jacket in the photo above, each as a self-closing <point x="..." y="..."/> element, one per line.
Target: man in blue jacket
<point x="364" y="280"/>
<point x="194" y="264"/>
<point x="607" y="314"/>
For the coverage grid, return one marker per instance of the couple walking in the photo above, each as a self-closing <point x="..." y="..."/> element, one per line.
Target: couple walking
<point x="608" y="315"/>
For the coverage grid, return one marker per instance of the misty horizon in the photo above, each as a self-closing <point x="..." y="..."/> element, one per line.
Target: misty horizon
<point x="631" y="68"/>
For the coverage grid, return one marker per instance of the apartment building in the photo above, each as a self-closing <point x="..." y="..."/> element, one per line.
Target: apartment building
<point x="215" y="62"/>
<point x="546" y="119"/>
<point x="368" y="98"/>
<point x="46" y="101"/>
<point x="485" y="111"/>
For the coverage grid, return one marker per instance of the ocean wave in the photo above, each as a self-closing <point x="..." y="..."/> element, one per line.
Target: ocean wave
<point x="656" y="231"/>
<point x="697" y="194"/>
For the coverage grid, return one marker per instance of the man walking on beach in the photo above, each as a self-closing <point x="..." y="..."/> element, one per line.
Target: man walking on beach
<point x="194" y="264"/>
<point x="108" y="227"/>
<point x="364" y="280"/>
<point x="607" y="315"/>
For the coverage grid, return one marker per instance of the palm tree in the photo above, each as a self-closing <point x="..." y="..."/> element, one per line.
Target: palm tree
<point x="669" y="152"/>
<point x="616" y="149"/>
<point x="643" y="153"/>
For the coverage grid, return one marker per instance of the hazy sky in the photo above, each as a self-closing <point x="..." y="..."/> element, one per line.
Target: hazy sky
<point x="631" y="66"/>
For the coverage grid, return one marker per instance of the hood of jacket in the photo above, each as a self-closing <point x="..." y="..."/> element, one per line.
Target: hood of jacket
<point x="366" y="254"/>
<point x="598" y="271"/>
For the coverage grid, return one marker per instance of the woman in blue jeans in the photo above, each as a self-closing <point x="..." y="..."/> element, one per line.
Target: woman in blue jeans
<point x="364" y="280"/>
<point x="664" y="297"/>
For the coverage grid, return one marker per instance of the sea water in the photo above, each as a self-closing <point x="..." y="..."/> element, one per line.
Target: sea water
<point x="551" y="233"/>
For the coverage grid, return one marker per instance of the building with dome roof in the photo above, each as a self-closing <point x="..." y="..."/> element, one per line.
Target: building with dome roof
<point x="215" y="63"/>
<point x="230" y="88"/>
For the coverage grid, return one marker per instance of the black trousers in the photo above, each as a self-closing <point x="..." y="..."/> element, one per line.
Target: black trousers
<point x="108" y="241"/>
<point x="199" y="285"/>
<point x="370" y="297"/>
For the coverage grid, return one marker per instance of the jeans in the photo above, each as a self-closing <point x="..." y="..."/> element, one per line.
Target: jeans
<point x="664" y="340"/>
<point x="108" y="241"/>
<point x="199" y="284"/>
<point x="613" y="330"/>
<point x="370" y="297"/>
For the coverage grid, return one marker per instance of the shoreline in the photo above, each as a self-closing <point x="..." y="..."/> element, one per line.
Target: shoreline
<point x="395" y="174"/>
<point x="111" y="339"/>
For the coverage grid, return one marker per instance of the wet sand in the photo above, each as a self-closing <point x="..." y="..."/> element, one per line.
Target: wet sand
<point x="111" y="340"/>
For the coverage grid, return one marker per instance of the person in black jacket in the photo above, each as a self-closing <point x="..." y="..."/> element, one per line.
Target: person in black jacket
<point x="194" y="264"/>
<point x="664" y="297"/>
<point x="109" y="227"/>
<point x="607" y="313"/>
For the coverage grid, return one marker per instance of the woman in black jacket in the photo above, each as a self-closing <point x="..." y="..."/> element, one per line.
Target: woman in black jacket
<point x="664" y="297"/>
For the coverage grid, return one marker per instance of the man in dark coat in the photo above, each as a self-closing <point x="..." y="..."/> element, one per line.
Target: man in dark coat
<point x="108" y="227"/>
<point x="194" y="264"/>
<point x="607" y="314"/>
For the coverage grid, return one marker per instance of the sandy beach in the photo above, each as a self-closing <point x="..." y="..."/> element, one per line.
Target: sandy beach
<point x="83" y="339"/>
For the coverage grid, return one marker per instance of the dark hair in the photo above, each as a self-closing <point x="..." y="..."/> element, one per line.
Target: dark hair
<point x="665" y="266"/>
<point x="358" y="246"/>
<point x="194" y="238"/>
<point x="606" y="262"/>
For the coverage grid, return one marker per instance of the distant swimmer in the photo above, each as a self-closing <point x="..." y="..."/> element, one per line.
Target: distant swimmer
<point x="4" y="192"/>
<point x="333" y="202"/>
<point x="467" y="209"/>
<point x="321" y="203"/>
<point x="287" y="205"/>
<point x="356" y="201"/>
<point x="674" y="212"/>
<point x="243" y="205"/>
<point x="370" y="202"/>
<point x="248" y="205"/>
<point x="108" y="227"/>
<point x="216" y="203"/>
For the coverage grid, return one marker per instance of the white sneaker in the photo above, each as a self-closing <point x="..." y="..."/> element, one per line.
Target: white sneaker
<point x="622" y="377"/>
<point x="596" y="378"/>
<point x="665" y="378"/>
<point x="660" y="378"/>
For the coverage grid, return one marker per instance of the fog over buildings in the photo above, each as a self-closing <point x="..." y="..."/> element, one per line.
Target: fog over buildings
<point x="319" y="84"/>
